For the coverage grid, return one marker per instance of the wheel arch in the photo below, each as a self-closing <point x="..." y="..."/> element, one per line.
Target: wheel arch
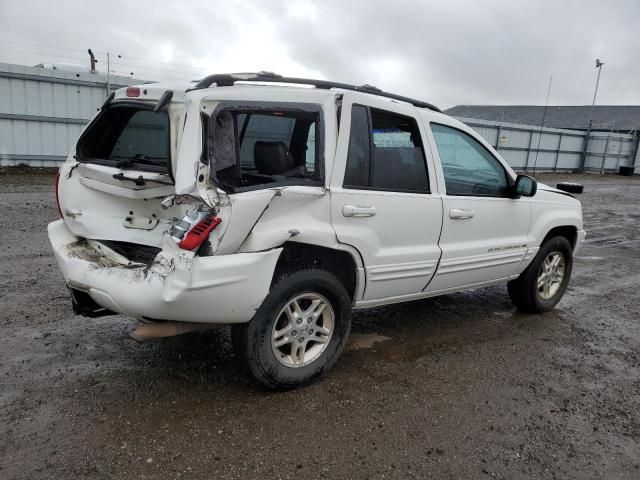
<point x="345" y="264"/>
<point x="570" y="232"/>
<point x="553" y="214"/>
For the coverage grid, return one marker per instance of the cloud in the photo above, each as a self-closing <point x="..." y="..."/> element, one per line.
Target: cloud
<point x="454" y="52"/>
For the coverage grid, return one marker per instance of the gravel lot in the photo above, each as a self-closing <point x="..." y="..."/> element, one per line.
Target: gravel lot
<point x="459" y="386"/>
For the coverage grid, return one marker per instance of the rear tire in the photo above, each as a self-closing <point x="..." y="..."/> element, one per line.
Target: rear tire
<point x="543" y="283"/>
<point x="299" y="331"/>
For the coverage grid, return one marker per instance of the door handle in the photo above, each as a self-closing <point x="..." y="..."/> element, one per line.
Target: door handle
<point x="460" y="213"/>
<point x="358" y="211"/>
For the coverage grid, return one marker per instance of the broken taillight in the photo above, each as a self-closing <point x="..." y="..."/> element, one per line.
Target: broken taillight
<point x="58" y="194"/>
<point x="198" y="231"/>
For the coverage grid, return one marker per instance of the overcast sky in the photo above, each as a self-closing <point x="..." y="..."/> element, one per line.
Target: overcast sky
<point x="448" y="52"/>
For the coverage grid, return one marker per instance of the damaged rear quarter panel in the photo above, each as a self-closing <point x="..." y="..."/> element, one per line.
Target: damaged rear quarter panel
<point x="239" y="217"/>
<point x="299" y="214"/>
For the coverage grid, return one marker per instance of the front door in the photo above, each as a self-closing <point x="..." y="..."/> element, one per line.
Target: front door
<point x="381" y="198"/>
<point x="484" y="232"/>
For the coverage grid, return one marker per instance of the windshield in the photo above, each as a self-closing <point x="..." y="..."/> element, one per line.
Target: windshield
<point x="128" y="136"/>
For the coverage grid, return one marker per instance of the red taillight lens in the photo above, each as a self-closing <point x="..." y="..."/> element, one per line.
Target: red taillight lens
<point x="58" y="194"/>
<point x="133" y="92"/>
<point x="199" y="233"/>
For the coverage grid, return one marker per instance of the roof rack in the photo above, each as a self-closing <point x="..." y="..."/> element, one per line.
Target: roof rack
<point x="229" y="79"/>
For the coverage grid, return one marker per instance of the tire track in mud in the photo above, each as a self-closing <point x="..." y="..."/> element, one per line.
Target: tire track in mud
<point x="458" y="386"/>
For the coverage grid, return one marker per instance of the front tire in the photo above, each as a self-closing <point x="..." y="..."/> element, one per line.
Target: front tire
<point x="543" y="283"/>
<point x="299" y="330"/>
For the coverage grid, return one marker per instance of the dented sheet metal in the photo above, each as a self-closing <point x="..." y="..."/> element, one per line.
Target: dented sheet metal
<point x="176" y="286"/>
<point x="109" y="262"/>
<point x="299" y="214"/>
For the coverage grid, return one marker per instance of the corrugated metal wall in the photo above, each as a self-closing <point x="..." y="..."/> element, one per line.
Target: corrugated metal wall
<point x="527" y="147"/>
<point x="43" y="111"/>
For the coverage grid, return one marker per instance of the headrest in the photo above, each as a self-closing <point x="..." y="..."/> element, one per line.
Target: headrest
<point x="272" y="158"/>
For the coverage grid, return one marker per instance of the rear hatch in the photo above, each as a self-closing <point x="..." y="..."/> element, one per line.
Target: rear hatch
<point x="112" y="186"/>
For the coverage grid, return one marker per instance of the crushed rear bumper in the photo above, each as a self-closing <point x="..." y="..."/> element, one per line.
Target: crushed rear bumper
<point x="176" y="286"/>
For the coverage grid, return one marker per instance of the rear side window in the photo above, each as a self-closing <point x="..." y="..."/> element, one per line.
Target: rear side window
<point x="128" y="136"/>
<point x="261" y="128"/>
<point x="385" y="153"/>
<point x="277" y="127"/>
<point x="469" y="169"/>
<point x="258" y="147"/>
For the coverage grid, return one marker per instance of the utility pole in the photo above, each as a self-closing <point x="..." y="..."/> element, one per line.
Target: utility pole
<point x="92" y="59"/>
<point x="108" y="74"/>
<point x="544" y="116"/>
<point x="599" y="65"/>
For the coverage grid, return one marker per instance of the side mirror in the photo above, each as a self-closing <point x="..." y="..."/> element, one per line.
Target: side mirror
<point x="525" y="186"/>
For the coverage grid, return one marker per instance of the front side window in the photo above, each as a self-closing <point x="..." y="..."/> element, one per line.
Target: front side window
<point x="469" y="169"/>
<point x="128" y="136"/>
<point x="385" y="152"/>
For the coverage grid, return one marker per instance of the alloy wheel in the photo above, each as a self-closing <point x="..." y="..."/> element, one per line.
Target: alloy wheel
<point x="551" y="275"/>
<point x="302" y="330"/>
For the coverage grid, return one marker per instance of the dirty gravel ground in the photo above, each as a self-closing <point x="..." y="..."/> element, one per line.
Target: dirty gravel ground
<point x="460" y="386"/>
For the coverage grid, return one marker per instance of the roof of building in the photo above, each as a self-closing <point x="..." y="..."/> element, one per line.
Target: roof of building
<point x="605" y="117"/>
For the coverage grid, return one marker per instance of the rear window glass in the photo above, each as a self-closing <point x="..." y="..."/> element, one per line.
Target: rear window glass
<point x="128" y="136"/>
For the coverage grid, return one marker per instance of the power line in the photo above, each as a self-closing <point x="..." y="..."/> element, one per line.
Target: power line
<point x="140" y="70"/>
<point x="159" y="61"/>
<point x="42" y="46"/>
<point x="36" y="54"/>
<point x="182" y="66"/>
<point x="200" y="72"/>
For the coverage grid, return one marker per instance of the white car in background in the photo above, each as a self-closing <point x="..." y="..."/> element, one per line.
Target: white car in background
<point x="256" y="201"/>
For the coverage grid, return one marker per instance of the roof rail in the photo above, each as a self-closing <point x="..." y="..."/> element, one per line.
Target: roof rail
<point x="229" y="79"/>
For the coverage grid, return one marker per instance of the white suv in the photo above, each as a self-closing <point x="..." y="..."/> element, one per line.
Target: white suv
<point x="279" y="204"/>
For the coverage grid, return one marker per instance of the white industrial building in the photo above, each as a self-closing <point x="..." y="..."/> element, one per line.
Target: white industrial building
<point x="43" y="111"/>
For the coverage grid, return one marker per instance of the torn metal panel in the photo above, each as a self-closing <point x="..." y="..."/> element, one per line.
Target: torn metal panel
<point x="177" y="285"/>
<point x="302" y="210"/>
<point x="240" y="216"/>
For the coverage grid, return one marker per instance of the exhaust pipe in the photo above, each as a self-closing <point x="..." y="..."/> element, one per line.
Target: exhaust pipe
<point x="147" y="331"/>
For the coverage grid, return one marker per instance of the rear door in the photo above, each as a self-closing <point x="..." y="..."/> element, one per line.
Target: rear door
<point x="382" y="200"/>
<point x="484" y="233"/>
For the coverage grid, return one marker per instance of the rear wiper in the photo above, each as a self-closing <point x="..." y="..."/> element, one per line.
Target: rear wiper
<point x="140" y="181"/>
<point x="138" y="157"/>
